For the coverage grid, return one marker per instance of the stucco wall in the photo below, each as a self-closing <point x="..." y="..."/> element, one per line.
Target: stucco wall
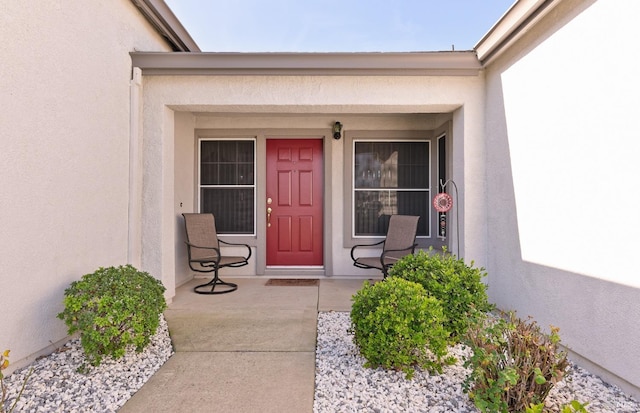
<point x="64" y="156"/>
<point x="562" y="148"/>
<point x="294" y="103"/>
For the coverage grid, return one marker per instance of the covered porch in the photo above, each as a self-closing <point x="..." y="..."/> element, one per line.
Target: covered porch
<point x="434" y="99"/>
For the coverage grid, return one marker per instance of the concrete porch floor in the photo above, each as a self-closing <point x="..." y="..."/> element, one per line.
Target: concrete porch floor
<point x="252" y="350"/>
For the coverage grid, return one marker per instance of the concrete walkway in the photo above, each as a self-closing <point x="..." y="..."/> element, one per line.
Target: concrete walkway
<point x="252" y="350"/>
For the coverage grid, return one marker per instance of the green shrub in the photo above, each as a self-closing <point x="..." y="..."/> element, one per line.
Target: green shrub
<point x="396" y="326"/>
<point x="573" y="407"/>
<point x="113" y="308"/>
<point x="459" y="287"/>
<point x="514" y="364"/>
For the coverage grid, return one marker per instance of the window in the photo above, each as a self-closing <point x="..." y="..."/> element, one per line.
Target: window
<point x="442" y="179"/>
<point x="390" y="177"/>
<point x="227" y="184"/>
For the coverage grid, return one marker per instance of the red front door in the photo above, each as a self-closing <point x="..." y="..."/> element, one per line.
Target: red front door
<point x="294" y="202"/>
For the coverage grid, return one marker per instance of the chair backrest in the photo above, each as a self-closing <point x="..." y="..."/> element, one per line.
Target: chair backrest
<point x="201" y="231"/>
<point x="401" y="235"/>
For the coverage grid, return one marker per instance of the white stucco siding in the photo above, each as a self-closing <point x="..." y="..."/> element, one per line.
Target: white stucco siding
<point x="309" y="94"/>
<point x="562" y="148"/>
<point x="469" y="174"/>
<point x="64" y="155"/>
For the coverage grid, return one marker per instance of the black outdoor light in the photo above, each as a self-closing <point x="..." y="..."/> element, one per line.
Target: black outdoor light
<point x="337" y="130"/>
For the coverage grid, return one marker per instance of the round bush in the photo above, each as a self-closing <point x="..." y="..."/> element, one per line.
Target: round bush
<point x="397" y="326"/>
<point x="113" y="308"/>
<point x="459" y="287"/>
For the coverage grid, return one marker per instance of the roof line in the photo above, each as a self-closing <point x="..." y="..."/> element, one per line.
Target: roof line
<point x="167" y="24"/>
<point x="511" y="26"/>
<point x="334" y="64"/>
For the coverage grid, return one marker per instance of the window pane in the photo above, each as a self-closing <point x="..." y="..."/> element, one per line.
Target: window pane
<point x="226" y="163"/>
<point x="399" y="165"/>
<point x="375" y="207"/>
<point x="227" y="174"/>
<point x="208" y="151"/>
<point x="227" y="169"/>
<point x="208" y="174"/>
<point x="245" y="174"/>
<point x="228" y="152"/>
<point x="232" y="207"/>
<point x="368" y="214"/>
<point x="416" y="203"/>
<point x="245" y="151"/>
<point x="391" y="165"/>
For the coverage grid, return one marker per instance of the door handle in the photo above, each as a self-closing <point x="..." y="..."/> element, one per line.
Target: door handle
<point x="269" y="210"/>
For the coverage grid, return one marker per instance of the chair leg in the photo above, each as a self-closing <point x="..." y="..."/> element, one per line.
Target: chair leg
<point x="216" y="281"/>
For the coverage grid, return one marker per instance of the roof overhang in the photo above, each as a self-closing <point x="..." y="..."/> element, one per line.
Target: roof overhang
<point x="167" y="24"/>
<point x="329" y="64"/>
<point x="521" y="16"/>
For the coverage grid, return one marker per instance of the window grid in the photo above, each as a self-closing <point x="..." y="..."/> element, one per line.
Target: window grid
<point x="390" y="177"/>
<point x="226" y="183"/>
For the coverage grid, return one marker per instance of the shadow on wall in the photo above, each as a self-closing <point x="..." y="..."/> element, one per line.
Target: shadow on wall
<point x="546" y="256"/>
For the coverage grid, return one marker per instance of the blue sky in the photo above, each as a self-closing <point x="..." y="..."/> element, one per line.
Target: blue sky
<point x="337" y="25"/>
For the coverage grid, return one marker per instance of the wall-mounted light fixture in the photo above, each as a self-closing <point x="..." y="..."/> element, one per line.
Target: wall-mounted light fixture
<point x="337" y="130"/>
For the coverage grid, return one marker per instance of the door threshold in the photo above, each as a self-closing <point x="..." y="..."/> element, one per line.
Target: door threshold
<point x="301" y="271"/>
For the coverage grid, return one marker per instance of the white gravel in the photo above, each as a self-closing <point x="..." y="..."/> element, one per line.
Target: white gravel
<point x="56" y="386"/>
<point x="344" y="385"/>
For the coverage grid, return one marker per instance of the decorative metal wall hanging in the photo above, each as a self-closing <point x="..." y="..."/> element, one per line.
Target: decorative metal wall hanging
<point x="442" y="203"/>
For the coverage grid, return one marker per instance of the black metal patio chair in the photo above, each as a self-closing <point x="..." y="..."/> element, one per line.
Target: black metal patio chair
<point x="203" y="248"/>
<point x="400" y="241"/>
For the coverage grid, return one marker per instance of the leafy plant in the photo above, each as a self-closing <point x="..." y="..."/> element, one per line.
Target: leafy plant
<point x="458" y="286"/>
<point x="113" y="308"/>
<point x="573" y="407"/>
<point x="514" y="364"/>
<point x="4" y="363"/>
<point x="397" y="326"/>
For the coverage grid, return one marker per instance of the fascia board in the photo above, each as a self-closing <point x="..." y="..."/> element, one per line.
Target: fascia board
<point x="167" y="24"/>
<point x="511" y="26"/>
<point x="393" y="63"/>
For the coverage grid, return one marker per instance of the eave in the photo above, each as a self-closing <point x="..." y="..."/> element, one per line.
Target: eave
<point x="167" y="24"/>
<point x="329" y="64"/>
<point x="516" y="21"/>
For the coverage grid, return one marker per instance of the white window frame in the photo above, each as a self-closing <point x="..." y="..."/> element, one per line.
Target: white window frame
<point x="253" y="187"/>
<point x="428" y="190"/>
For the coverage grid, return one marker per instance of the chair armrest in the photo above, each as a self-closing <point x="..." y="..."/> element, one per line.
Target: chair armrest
<point x="363" y="245"/>
<point x="238" y="245"/>
<point x="216" y="249"/>
<point x="383" y="256"/>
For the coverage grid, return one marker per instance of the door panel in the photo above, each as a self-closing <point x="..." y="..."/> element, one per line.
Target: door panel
<point x="283" y="195"/>
<point x="295" y="185"/>
<point x="283" y="227"/>
<point x="306" y="227"/>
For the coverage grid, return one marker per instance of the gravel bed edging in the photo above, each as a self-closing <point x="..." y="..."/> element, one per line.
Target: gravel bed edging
<point x="344" y="385"/>
<point x="56" y="386"/>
